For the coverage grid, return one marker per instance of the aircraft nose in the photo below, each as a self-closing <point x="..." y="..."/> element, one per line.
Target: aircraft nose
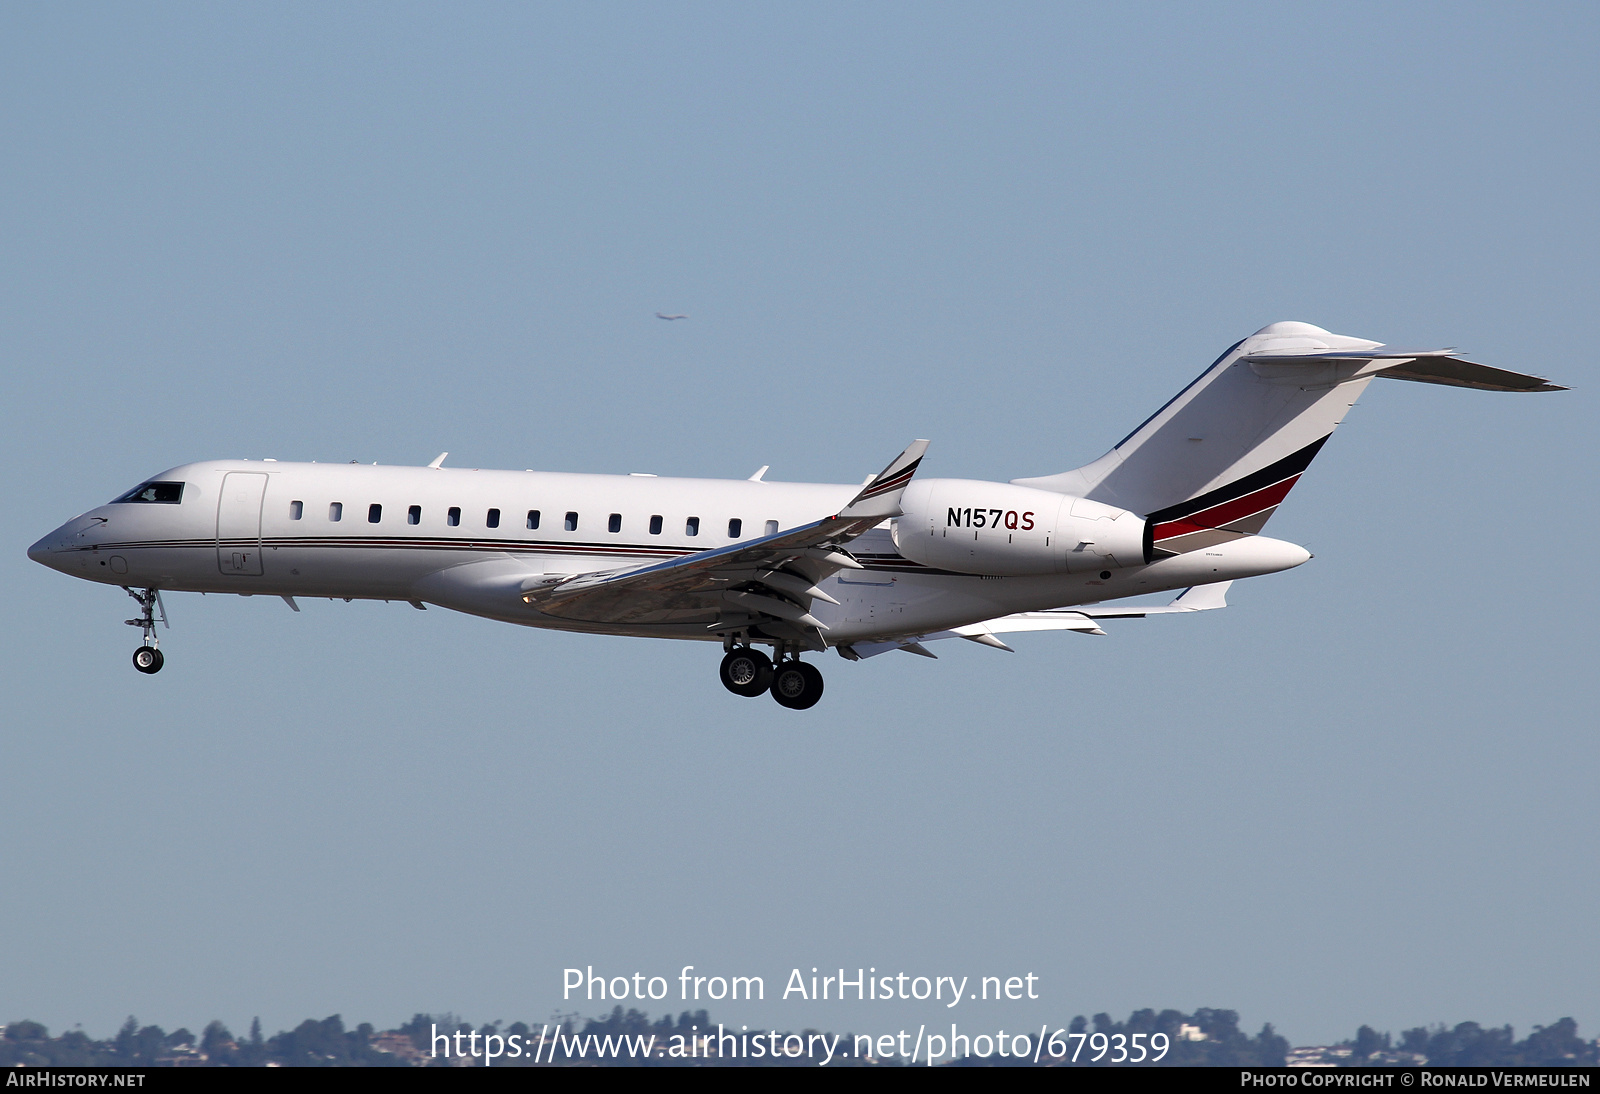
<point x="50" y="550"/>
<point x="40" y="552"/>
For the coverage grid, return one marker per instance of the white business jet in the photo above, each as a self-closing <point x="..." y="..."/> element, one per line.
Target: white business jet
<point x="1178" y="504"/>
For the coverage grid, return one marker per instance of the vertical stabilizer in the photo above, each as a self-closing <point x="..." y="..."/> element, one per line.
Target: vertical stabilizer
<point x="1214" y="463"/>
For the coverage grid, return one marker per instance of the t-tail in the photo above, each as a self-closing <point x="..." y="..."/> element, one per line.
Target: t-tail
<point x="1215" y="462"/>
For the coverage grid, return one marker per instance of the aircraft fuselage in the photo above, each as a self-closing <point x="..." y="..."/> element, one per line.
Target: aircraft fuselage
<point x="442" y="535"/>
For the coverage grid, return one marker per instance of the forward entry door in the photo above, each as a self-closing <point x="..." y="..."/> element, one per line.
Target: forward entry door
<point x="239" y="523"/>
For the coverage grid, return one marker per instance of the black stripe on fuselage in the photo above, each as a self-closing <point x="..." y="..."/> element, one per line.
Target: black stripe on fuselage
<point x="421" y="543"/>
<point x="603" y="550"/>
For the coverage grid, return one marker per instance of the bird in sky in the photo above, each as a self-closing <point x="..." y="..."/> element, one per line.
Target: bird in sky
<point x="661" y="316"/>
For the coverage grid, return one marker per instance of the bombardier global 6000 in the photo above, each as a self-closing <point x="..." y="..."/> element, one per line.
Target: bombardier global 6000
<point x="1177" y="504"/>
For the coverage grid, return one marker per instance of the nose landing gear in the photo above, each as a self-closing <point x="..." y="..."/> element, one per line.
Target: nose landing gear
<point x="147" y="658"/>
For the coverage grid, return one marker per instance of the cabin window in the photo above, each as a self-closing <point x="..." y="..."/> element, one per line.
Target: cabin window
<point x="414" y="515"/>
<point x="655" y="525"/>
<point x="493" y="519"/>
<point x="297" y="509"/>
<point x="735" y="527"/>
<point x="165" y="493"/>
<point x="336" y="511"/>
<point x="691" y="527"/>
<point x="772" y="527"/>
<point x="614" y="524"/>
<point x="374" y="513"/>
<point x="572" y="522"/>
<point x="453" y="516"/>
<point x="533" y="518"/>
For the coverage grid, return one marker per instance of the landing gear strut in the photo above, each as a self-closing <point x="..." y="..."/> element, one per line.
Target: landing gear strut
<point x="147" y="658"/>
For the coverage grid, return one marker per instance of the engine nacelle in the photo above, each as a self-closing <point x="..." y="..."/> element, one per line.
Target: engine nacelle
<point x="976" y="527"/>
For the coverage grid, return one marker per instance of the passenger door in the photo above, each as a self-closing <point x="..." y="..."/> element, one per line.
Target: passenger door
<point x="239" y="523"/>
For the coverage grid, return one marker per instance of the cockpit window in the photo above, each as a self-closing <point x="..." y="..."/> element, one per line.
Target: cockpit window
<point x="163" y="493"/>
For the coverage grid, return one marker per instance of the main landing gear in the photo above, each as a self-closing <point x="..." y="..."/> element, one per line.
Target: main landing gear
<point x="749" y="672"/>
<point x="147" y="658"/>
<point x="796" y="684"/>
<point x="746" y="671"/>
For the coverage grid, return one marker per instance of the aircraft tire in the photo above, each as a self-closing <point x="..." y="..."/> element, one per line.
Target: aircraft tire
<point x="746" y="671"/>
<point x="796" y="685"/>
<point x="148" y="659"/>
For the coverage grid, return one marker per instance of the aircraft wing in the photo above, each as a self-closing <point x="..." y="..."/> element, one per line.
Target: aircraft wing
<point x="766" y="584"/>
<point x="1082" y="618"/>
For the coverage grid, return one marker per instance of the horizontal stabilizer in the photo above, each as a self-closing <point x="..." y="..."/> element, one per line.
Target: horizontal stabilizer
<point x="1454" y="372"/>
<point x="1377" y="353"/>
<point x="1426" y="366"/>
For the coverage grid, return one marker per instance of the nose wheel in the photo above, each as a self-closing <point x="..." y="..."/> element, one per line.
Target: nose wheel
<point x="147" y="658"/>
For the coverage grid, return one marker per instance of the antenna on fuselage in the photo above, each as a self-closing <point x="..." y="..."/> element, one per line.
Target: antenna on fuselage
<point x="438" y="460"/>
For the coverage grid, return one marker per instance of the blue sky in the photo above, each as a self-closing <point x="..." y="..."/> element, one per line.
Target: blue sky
<point x="1363" y="793"/>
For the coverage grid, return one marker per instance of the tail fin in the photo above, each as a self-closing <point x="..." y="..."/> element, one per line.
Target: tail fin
<point x="1215" y="461"/>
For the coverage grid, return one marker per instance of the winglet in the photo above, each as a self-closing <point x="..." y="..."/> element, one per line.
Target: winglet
<point x="880" y="497"/>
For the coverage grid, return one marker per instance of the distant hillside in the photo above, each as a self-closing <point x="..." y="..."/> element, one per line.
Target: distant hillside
<point x="630" y="1038"/>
